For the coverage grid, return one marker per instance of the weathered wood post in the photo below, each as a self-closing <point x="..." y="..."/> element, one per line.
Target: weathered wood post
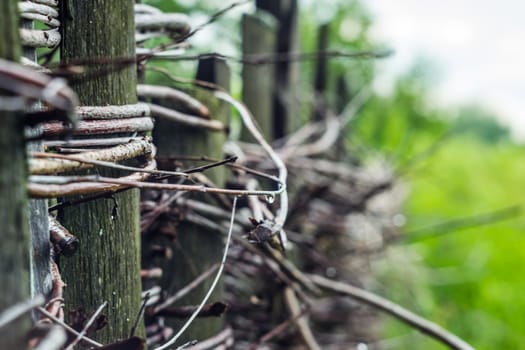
<point x="196" y="249"/>
<point x="14" y="249"/>
<point x="107" y="264"/>
<point x="285" y="119"/>
<point x="320" y="79"/>
<point x="258" y="81"/>
<point x="40" y="271"/>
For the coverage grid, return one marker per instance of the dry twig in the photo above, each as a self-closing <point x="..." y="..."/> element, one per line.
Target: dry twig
<point x="402" y="314"/>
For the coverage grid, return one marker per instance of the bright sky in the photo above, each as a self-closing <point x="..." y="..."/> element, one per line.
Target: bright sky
<point x="477" y="45"/>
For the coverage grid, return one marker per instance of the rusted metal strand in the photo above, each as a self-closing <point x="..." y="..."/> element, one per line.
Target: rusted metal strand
<point x="99" y="127"/>
<point x="182" y="99"/>
<point x="115" y="154"/>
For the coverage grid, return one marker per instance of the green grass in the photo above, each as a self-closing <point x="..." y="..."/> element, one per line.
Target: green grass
<point x="470" y="281"/>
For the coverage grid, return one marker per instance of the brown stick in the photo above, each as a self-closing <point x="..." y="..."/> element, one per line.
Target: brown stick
<point x="68" y="163"/>
<point x="51" y="191"/>
<point x="184" y="100"/>
<point x="402" y="314"/>
<point x="215" y="309"/>
<point x="188" y="288"/>
<point x="99" y="127"/>
<point x="186" y="119"/>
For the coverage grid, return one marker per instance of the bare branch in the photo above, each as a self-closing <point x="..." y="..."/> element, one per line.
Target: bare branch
<point x="215" y="309"/>
<point x="67" y="328"/>
<point x="56" y="186"/>
<point x="37" y="190"/>
<point x="88" y="324"/>
<point x="186" y="119"/>
<point x="186" y="289"/>
<point x="182" y="99"/>
<point x="453" y="225"/>
<point x="302" y="324"/>
<point x="402" y="314"/>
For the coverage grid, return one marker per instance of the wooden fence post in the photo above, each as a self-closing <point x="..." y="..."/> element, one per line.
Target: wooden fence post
<point x="284" y="108"/>
<point x="40" y="271"/>
<point x="319" y="102"/>
<point x="107" y="264"/>
<point x="196" y="249"/>
<point x="14" y="249"/>
<point x="258" y="81"/>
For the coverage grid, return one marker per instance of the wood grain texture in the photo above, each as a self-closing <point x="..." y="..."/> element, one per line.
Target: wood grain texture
<point x="107" y="264"/>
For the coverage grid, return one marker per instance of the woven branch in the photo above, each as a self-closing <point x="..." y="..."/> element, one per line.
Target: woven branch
<point x="47" y="2"/>
<point x="46" y="19"/>
<point x="170" y="22"/>
<point x="186" y="119"/>
<point x="182" y="99"/>
<point x="51" y="191"/>
<point x="32" y="7"/>
<point x="40" y="38"/>
<point x="113" y="112"/>
<point x="115" y="154"/>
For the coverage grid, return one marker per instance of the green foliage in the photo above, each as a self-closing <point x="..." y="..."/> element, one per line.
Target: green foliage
<point x="480" y="123"/>
<point x="401" y="125"/>
<point x="462" y="279"/>
<point x="348" y="30"/>
<point x="474" y="287"/>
